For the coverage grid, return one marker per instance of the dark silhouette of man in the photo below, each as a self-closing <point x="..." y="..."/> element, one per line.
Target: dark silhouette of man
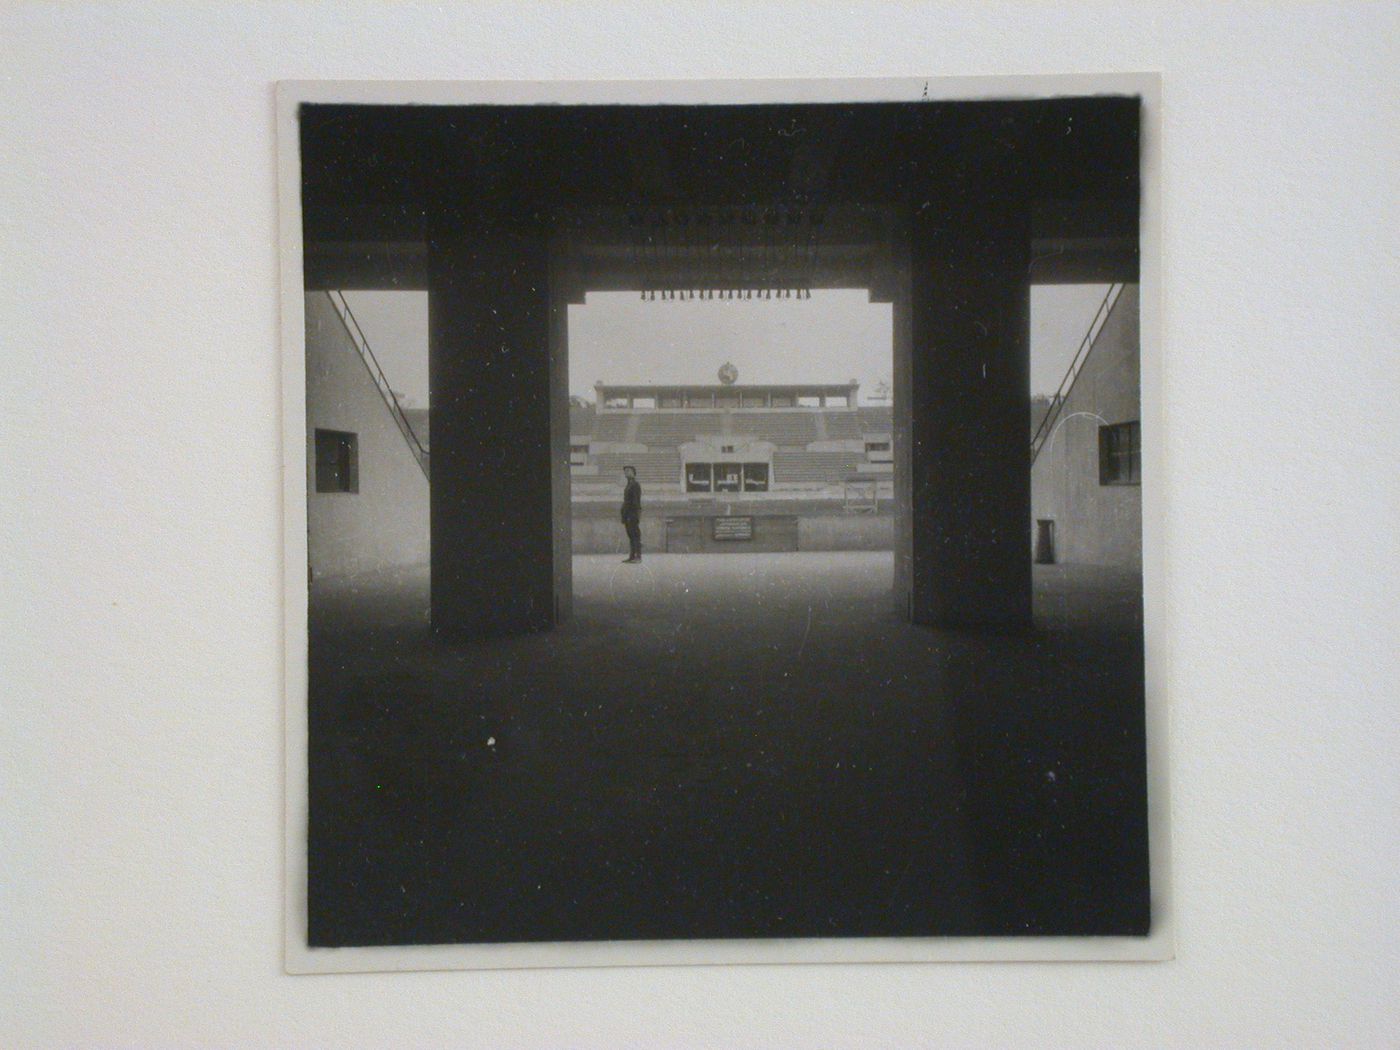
<point x="632" y="514"/>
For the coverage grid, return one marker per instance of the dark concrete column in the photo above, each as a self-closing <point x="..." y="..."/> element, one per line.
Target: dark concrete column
<point x="969" y="404"/>
<point x="889" y="282"/>
<point x="493" y="476"/>
<point x="565" y="287"/>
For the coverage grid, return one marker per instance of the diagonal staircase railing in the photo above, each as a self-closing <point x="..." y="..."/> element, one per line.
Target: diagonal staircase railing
<point x="381" y="381"/>
<point x="1081" y="355"/>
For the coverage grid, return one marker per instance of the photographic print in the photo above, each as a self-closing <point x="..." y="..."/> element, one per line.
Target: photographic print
<point x="723" y="519"/>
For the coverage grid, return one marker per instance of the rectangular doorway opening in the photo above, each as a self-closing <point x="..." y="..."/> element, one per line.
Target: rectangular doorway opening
<point x="774" y="413"/>
<point x="758" y="432"/>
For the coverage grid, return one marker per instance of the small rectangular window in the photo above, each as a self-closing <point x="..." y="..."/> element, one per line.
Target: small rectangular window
<point x="728" y="477"/>
<point x="698" y="477"/>
<point x="755" y="477"/>
<point x="578" y="455"/>
<point x="782" y="401"/>
<point x="337" y="461"/>
<point x="1120" y="454"/>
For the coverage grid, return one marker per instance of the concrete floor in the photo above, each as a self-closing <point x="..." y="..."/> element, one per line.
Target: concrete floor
<point x="726" y="746"/>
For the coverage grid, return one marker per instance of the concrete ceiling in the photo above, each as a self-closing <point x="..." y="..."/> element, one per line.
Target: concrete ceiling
<point x="616" y="181"/>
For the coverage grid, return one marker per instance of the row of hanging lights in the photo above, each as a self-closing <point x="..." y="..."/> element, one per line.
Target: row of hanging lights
<point x="723" y="253"/>
<point x="652" y="295"/>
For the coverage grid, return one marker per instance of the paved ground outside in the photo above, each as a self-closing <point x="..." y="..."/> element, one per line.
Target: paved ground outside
<point x="726" y="746"/>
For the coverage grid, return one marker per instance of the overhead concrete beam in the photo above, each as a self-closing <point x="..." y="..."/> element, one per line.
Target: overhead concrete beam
<point x="362" y="265"/>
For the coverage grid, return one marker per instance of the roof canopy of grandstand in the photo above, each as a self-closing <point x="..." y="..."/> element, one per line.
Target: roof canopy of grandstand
<point x="750" y="395"/>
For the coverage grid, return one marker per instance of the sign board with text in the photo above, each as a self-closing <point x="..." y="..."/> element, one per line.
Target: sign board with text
<point x="733" y="528"/>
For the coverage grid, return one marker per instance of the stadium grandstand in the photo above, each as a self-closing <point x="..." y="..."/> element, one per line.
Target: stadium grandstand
<point x="751" y="443"/>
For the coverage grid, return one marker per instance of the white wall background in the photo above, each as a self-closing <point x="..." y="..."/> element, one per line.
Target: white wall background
<point x="140" y="646"/>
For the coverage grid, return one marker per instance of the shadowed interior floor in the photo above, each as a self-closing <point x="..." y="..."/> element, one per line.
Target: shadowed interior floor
<point x="726" y="746"/>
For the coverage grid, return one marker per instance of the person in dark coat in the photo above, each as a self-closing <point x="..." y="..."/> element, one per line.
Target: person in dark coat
<point x="632" y="514"/>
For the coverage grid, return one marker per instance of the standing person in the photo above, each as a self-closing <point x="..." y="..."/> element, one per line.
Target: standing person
<point x="632" y="514"/>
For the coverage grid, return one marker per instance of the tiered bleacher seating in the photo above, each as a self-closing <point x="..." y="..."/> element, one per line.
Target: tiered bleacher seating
<point x="653" y="468"/>
<point x="876" y="419"/>
<point x="843" y="426"/>
<point x="610" y="426"/>
<point x="823" y="467"/>
<point x="581" y="418"/>
<point x="784" y="429"/>
<point x="662" y="429"/>
<point x="663" y="432"/>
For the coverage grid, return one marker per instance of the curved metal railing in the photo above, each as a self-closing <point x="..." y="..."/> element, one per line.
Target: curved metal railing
<point x="381" y="381"/>
<point x="1061" y="395"/>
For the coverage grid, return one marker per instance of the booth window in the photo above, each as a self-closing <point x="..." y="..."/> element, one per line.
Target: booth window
<point x="1120" y="454"/>
<point x="755" y="477"/>
<point x="337" y="461"/>
<point x="728" y="477"/>
<point x="578" y="455"/>
<point x="698" y="477"/>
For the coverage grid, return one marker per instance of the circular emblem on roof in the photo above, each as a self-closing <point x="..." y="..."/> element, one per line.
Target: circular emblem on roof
<point x="728" y="373"/>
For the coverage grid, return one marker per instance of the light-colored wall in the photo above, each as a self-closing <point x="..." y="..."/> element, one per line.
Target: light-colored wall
<point x="846" y="532"/>
<point x="143" y="740"/>
<point x="771" y="533"/>
<point x="821" y="532"/>
<point x="385" y="524"/>
<point x="1094" y="524"/>
<point x="607" y="536"/>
